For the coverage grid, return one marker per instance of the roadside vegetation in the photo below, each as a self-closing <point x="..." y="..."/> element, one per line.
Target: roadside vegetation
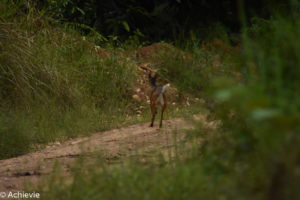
<point x="56" y="82"/>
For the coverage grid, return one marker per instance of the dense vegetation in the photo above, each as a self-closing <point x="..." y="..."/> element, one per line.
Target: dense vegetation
<point x="52" y="79"/>
<point x="53" y="83"/>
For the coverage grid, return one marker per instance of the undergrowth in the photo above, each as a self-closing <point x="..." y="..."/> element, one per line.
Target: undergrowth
<point x="55" y="83"/>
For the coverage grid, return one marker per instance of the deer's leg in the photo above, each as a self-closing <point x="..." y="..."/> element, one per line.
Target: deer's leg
<point x="162" y="111"/>
<point x="161" y="117"/>
<point x="153" y="111"/>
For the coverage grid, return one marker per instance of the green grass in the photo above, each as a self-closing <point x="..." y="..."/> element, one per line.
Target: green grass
<point x="54" y="83"/>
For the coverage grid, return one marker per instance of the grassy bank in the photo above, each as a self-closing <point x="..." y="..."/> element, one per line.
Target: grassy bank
<point x="55" y="83"/>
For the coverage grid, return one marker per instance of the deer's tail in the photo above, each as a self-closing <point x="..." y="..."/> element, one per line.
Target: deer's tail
<point x="165" y="87"/>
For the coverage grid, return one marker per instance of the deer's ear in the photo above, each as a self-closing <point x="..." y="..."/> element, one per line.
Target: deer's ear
<point x="152" y="75"/>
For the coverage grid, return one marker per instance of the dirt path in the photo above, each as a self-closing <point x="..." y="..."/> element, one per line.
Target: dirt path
<point x="135" y="140"/>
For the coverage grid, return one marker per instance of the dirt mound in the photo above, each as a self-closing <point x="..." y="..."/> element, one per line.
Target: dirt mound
<point x="152" y="52"/>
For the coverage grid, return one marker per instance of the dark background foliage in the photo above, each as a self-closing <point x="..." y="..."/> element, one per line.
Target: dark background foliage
<point x="160" y="19"/>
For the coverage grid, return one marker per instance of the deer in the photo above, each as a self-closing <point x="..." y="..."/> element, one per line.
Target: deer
<point x="157" y="97"/>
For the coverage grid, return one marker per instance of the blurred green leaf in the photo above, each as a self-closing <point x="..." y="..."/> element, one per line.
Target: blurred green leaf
<point x="80" y="10"/>
<point x="126" y="26"/>
<point x="264" y="113"/>
<point x="223" y="95"/>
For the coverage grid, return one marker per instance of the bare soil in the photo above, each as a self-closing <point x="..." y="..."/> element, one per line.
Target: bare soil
<point x="113" y="145"/>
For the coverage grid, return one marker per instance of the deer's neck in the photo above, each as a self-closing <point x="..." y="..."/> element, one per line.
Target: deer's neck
<point x="153" y="82"/>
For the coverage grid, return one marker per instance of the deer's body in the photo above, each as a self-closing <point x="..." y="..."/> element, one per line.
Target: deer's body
<point x="157" y="98"/>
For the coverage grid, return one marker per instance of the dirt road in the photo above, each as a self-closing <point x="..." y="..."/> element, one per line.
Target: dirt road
<point x="114" y="145"/>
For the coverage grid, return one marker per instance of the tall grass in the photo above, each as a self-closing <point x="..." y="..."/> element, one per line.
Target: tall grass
<point x="54" y="83"/>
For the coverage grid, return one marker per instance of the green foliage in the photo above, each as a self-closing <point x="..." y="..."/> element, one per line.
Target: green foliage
<point x="15" y="135"/>
<point x="54" y="66"/>
<point x="51" y="78"/>
<point x="260" y="117"/>
<point x="131" y="182"/>
<point x="193" y="69"/>
<point x="188" y="74"/>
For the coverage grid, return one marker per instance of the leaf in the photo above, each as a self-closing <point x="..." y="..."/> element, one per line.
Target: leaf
<point x="126" y="26"/>
<point x="159" y="9"/>
<point x="139" y="33"/>
<point x="264" y="113"/>
<point x="80" y="10"/>
<point x="223" y="95"/>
